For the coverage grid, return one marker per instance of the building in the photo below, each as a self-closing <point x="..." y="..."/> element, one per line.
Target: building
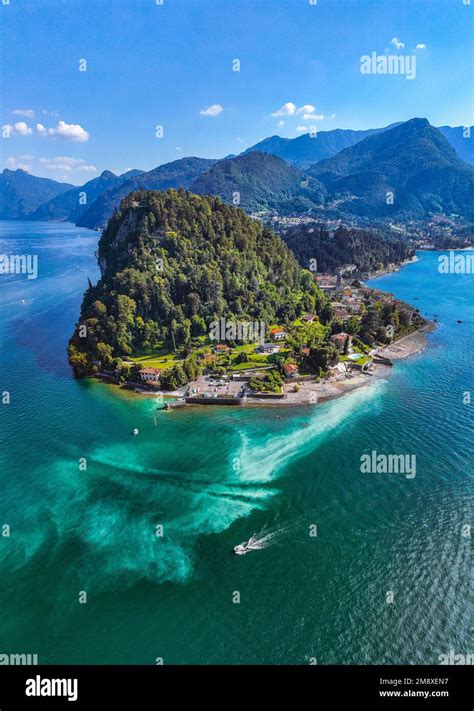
<point x="340" y="339"/>
<point x="221" y="348"/>
<point x="150" y="375"/>
<point x="308" y="318"/>
<point x="341" y="314"/>
<point x="278" y="334"/>
<point x="290" y="370"/>
<point x="268" y="348"/>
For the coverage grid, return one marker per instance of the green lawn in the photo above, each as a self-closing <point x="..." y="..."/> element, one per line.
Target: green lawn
<point x="163" y="361"/>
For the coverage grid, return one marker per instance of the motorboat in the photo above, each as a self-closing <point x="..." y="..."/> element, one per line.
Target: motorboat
<point x="247" y="546"/>
<point x="135" y="432"/>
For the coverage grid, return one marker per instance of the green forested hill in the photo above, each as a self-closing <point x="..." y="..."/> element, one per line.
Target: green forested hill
<point x="368" y="250"/>
<point x="171" y="263"/>
<point x="261" y="181"/>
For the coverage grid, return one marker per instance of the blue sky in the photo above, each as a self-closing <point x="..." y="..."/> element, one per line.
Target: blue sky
<point x="150" y="65"/>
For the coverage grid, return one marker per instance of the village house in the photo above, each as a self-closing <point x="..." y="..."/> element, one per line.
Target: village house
<point x="326" y="283"/>
<point x="353" y="305"/>
<point x="150" y="375"/>
<point x="278" y="334"/>
<point x="341" y="314"/>
<point x="221" y="348"/>
<point x="290" y="370"/>
<point x="308" y="318"/>
<point x="340" y="339"/>
<point x="268" y="348"/>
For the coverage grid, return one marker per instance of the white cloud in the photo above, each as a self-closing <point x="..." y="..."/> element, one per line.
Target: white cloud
<point x="397" y="43"/>
<point x="29" y="113"/>
<point x="72" y="131"/>
<point x="178" y="148"/>
<point x="13" y="164"/>
<point x="420" y="46"/>
<point x="280" y="123"/>
<point x="302" y="128"/>
<point x="306" y="109"/>
<point x="288" y="109"/>
<point x="17" y="129"/>
<point x="213" y="110"/>
<point x="66" y="163"/>
<point x="240" y="140"/>
<point x="332" y="116"/>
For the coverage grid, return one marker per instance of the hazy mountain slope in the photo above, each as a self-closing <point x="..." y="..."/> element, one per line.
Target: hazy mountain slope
<point x="21" y="193"/>
<point x="177" y="174"/>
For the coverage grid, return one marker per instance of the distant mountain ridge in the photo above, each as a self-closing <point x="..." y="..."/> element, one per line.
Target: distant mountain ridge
<point x="282" y="174"/>
<point x="261" y="181"/>
<point x="305" y="150"/>
<point x="413" y="163"/>
<point x="177" y="174"/>
<point x="69" y="206"/>
<point x="21" y="193"/>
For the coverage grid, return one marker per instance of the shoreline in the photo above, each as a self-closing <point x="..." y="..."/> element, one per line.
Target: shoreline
<point x="310" y="393"/>
<point x="315" y="393"/>
<point x="384" y="272"/>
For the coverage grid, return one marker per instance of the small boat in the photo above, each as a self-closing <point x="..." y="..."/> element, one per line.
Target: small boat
<point x="246" y="546"/>
<point x="135" y="432"/>
<point x="459" y="320"/>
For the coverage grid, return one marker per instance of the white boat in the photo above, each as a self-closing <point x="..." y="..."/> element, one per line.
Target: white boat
<point x="135" y="432"/>
<point x="247" y="546"/>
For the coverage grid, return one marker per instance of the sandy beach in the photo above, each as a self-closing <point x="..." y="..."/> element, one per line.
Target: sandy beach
<point x="408" y="345"/>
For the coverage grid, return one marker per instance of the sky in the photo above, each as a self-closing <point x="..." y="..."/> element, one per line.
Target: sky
<point x="84" y="84"/>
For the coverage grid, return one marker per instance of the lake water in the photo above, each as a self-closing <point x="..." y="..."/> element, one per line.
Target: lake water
<point x="214" y="477"/>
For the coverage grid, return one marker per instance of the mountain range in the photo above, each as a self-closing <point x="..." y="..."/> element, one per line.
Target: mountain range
<point x="177" y="174"/>
<point x="21" y="193"/>
<point x="305" y="150"/>
<point x="409" y="170"/>
<point x="423" y="168"/>
<point x="70" y="205"/>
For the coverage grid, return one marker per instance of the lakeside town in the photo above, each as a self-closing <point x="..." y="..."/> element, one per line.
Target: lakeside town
<point x="299" y="363"/>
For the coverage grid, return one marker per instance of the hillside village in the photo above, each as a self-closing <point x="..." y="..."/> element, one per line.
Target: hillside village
<point x="363" y="321"/>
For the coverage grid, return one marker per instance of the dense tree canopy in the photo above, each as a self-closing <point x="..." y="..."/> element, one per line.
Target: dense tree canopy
<point x="173" y="262"/>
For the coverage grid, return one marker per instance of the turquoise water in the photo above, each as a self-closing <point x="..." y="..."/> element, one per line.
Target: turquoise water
<point x="212" y="478"/>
